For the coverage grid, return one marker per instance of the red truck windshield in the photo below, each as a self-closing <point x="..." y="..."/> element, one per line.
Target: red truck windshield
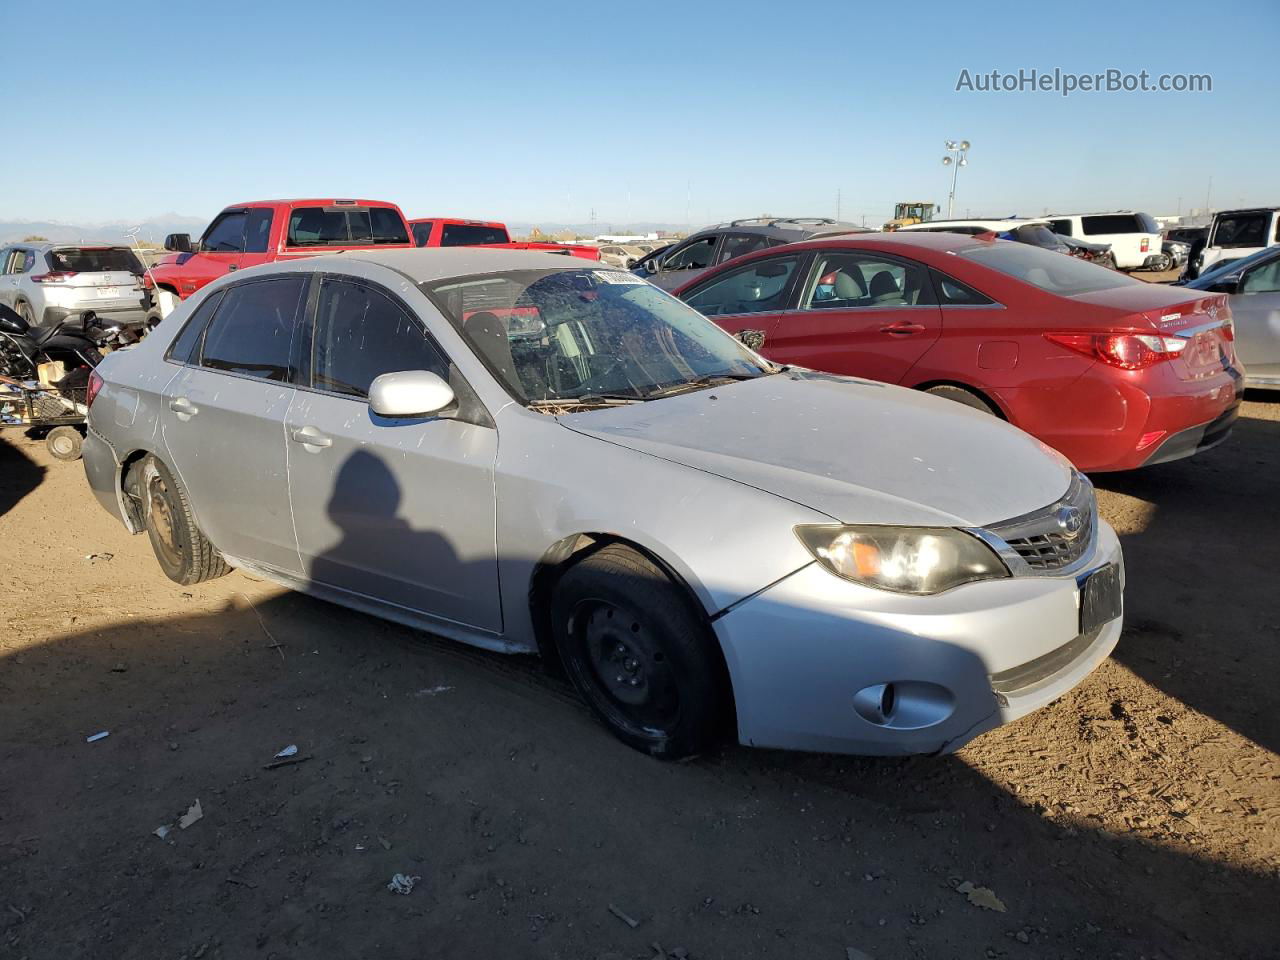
<point x="329" y="227"/>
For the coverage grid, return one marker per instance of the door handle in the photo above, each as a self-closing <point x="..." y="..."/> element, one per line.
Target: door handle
<point x="183" y="407"/>
<point x="903" y="328"/>
<point x="311" y="437"/>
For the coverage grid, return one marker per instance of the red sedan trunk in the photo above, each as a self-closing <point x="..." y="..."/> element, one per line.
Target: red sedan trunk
<point x="1113" y="372"/>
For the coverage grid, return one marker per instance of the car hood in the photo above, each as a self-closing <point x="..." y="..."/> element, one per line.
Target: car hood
<point x="857" y="451"/>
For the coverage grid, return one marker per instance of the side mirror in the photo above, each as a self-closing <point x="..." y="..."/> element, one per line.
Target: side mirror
<point x="178" y="242"/>
<point x="651" y="266"/>
<point x="410" y="393"/>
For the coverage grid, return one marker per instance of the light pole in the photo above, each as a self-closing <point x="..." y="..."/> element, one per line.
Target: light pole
<point x="957" y="157"/>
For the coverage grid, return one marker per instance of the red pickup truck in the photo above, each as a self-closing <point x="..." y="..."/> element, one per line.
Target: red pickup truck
<point x="247" y="234"/>
<point x="449" y="232"/>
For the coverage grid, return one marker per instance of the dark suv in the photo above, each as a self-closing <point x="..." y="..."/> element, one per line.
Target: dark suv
<point x="685" y="259"/>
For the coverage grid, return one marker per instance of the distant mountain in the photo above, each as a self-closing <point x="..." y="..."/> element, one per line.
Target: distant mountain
<point x="598" y="228"/>
<point x="151" y="229"/>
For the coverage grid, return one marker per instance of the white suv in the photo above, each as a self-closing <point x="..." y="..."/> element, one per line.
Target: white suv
<point x="1236" y="234"/>
<point x="1134" y="236"/>
<point x="47" y="282"/>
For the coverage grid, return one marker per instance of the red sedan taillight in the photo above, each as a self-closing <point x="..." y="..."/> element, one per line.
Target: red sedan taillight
<point x="95" y="384"/>
<point x="1127" y="351"/>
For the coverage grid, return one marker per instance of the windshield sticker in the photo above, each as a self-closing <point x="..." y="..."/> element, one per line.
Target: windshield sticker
<point x="617" y="276"/>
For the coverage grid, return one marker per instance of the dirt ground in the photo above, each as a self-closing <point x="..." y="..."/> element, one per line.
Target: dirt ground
<point x="1137" y="817"/>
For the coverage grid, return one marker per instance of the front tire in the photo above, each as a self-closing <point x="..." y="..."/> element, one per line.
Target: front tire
<point x="184" y="553"/>
<point x="639" y="654"/>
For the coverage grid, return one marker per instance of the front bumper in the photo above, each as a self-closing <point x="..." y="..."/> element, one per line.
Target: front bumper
<point x="802" y="653"/>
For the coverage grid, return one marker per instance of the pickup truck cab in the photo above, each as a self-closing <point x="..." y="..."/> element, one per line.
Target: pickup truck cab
<point x="249" y="234"/>
<point x="450" y="232"/>
<point x="1236" y="234"/>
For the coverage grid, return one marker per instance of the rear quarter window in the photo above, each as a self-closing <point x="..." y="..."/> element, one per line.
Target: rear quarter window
<point x="1112" y="223"/>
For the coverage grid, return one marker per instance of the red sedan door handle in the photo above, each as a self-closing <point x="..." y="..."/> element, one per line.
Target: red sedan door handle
<point x="903" y="328"/>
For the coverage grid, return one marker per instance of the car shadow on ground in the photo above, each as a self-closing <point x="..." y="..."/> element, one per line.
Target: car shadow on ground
<point x="524" y="818"/>
<point x="1201" y="606"/>
<point x="19" y="475"/>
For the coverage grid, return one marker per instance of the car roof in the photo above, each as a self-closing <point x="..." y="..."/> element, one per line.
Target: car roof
<point x="1097" y="213"/>
<point x="311" y="202"/>
<point x="1236" y="210"/>
<point x="460" y="221"/>
<point x="896" y="240"/>
<point x="783" y="228"/>
<point x="426" y="264"/>
<point x="928" y="225"/>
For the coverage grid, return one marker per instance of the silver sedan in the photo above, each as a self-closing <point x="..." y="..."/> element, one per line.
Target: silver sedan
<point x="529" y="453"/>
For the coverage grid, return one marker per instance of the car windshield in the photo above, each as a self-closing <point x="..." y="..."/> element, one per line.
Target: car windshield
<point x="1053" y="272"/>
<point x="584" y="336"/>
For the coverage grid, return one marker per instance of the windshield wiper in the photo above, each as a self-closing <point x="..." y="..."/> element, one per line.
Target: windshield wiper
<point x="588" y="399"/>
<point x="709" y="380"/>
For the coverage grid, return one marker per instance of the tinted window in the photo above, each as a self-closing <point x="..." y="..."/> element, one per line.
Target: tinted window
<point x="467" y="234"/>
<point x="184" y="344"/>
<point x="1048" y="271"/>
<point x="252" y="332"/>
<point x="844" y="281"/>
<point x="361" y="334"/>
<point x="257" y="230"/>
<point x="1061" y="226"/>
<point x="94" y="260"/>
<point x="226" y="235"/>
<point x="758" y="288"/>
<point x="695" y="256"/>
<point x="1242" y="230"/>
<point x="1111" y="223"/>
<point x="735" y="245"/>
<point x="954" y="293"/>
<point x="422" y="233"/>
<point x="340" y="226"/>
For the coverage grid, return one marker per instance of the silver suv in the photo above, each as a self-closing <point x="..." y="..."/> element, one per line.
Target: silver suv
<point x="685" y="259"/>
<point x="46" y="282"/>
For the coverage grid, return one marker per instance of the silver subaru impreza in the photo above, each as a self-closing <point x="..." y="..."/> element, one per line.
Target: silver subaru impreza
<point x="526" y="452"/>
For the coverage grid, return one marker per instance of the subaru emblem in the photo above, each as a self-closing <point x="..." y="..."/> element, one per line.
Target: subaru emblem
<point x="1071" y="520"/>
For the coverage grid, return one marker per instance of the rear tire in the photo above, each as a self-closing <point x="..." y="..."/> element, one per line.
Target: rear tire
<point x="966" y="397"/>
<point x="184" y="553"/>
<point x="639" y="654"/>
<point x="64" y="442"/>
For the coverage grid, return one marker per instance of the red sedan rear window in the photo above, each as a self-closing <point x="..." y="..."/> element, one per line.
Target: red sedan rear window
<point x="1054" y="272"/>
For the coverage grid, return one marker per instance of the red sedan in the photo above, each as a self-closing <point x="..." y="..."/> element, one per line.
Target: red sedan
<point x="1113" y="372"/>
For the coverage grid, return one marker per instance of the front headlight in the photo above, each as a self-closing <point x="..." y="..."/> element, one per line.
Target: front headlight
<point x="916" y="560"/>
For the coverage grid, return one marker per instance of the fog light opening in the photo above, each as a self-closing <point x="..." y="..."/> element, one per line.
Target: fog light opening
<point x="888" y="699"/>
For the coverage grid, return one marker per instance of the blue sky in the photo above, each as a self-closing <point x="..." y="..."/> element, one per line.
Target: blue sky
<point x="540" y="112"/>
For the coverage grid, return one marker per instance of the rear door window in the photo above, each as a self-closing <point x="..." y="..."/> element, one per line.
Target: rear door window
<point x="738" y="244"/>
<point x="362" y="333"/>
<point x="422" y="233"/>
<point x="1263" y="279"/>
<point x="1111" y="223"/>
<point x="257" y="231"/>
<point x="760" y="287"/>
<point x="252" y="332"/>
<point x="226" y="234"/>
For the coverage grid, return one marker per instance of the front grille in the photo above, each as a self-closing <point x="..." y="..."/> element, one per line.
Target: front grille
<point x="1047" y="540"/>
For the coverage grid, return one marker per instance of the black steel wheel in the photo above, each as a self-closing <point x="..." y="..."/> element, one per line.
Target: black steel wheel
<point x="184" y="553"/>
<point x="640" y="654"/>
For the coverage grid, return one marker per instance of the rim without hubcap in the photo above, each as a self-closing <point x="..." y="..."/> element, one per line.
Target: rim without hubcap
<point x="630" y="676"/>
<point x="161" y="516"/>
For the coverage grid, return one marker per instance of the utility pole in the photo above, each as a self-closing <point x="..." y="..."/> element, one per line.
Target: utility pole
<point x="1207" y="194"/>
<point x="837" y="203"/>
<point x="957" y="157"/>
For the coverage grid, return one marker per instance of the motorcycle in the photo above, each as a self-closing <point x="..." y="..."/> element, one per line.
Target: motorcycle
<point x="75" y="342"/>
